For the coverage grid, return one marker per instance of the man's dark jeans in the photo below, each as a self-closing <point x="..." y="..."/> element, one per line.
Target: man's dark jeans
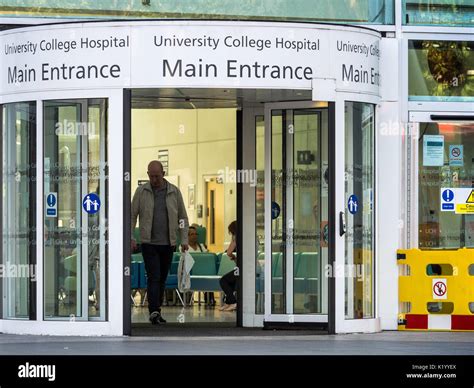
<point x="157" y="264"/>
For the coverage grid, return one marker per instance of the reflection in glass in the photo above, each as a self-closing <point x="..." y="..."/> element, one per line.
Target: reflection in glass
<point x="361" y="11"/>
<point x="279" y="238"/>
<point x="75" y="241"/>
<point x="260" y="215"/>
<point x="440" y="70"/>
<point x="440" y="12"/>
<point x="445" y="229"/>
<point x="299" y="210"/>
<point x="18" y="208"/>
<point x="359" y="196"/>
<point x="310" y="203"/>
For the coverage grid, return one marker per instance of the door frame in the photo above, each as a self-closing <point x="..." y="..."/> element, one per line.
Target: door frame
<point x="341" y="324"/>
<point x="325" y="321"/>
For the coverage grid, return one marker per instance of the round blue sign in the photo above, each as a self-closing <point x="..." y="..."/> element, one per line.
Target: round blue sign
<point x="51" y="200"/>
<point x="91" y="203"/>
<point x="448" y="195"/>
<point x="353" y="204"/>
<point x="275" y="210"/>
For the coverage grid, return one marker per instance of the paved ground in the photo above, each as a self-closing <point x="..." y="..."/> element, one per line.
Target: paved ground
<point x="235" y="341"/>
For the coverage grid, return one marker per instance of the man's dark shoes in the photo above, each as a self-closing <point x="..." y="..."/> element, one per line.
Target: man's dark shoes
<point x="161" y="319"/>
<point x="156" y="318"/>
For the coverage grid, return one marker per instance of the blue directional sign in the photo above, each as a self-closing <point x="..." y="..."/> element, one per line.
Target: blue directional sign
<point x="275" y="210"/>
<point x="353" y="204"/>
<point x="91" y="203"/>
<point x="52" y="205"/>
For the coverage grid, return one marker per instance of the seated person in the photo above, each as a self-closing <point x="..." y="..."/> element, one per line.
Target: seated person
<point x="228" y="282"/>
<point x="195" y="246"/>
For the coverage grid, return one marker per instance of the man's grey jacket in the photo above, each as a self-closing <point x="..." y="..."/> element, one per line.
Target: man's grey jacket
<point x="143" y="204"/>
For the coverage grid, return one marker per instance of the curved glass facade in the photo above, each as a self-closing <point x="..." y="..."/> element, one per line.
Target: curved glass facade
<point x="343" y="11"/>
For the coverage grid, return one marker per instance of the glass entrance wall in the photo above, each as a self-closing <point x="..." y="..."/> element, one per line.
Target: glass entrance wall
<point x="452" y="169"/>
<point x="18" y="209"/>
<point x="359" y="214"/>
<point x="75" y="217"/>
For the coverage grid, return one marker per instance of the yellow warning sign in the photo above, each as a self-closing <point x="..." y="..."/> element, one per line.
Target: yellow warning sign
<point x="470" y="199"/>
<point x="465" y="208"/>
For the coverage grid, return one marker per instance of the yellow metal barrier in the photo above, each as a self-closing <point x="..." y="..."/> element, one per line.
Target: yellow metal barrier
<point x="436" y="289"/>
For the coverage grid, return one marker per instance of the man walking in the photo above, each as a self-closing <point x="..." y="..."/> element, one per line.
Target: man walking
<point x="160" y="208"/>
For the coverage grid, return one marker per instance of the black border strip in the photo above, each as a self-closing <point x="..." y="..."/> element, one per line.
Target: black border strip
<point x="315" y="326"/>
<point x="332" y="216"/>
<point x="239" y="162"/>
<point x="127" y="169"/>
<point x="452" y="117"/>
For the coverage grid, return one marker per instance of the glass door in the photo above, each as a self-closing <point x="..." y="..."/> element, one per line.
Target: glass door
<point x="296" y="212"/>
<point x="75" y="219"/>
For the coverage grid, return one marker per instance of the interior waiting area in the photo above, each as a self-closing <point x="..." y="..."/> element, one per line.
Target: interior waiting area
<point x="194" y="134"/>
<point x="195" y="141"/>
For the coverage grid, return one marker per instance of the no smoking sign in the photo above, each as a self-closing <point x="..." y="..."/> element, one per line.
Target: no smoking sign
<point x="440" y="288"/>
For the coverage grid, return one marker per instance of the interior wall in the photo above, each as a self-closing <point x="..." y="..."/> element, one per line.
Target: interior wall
<point x="201" y="143"/>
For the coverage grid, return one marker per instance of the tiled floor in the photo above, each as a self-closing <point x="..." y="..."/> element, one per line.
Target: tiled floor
<point x="198" y="312"/>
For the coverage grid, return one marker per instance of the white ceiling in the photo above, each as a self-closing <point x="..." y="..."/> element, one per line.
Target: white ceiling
<point x="211" y="98"/>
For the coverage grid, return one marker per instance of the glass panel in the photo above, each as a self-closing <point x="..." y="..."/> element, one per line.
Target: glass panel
<point x="278" y="212"/>
<point x="360" y="11"/>
<point x="440" y="70"/>
<point x="441" y="12"/>
<point x="18" y="208"/>
<point x="444" y="229"/>
<point x="309" y="209"/>
<point x="359" y="194"/>
<point x="76" y="234"/>
<point x="62" y="190"/>
<point x="299" y="209"/>
<point x="260" y="214"/>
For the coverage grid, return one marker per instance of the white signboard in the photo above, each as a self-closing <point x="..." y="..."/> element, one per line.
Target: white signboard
<point x="65" y="58"/>
<point x="457" y="200"/>
<point x="433" y="150"/>
<point x="189" y="54"/>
